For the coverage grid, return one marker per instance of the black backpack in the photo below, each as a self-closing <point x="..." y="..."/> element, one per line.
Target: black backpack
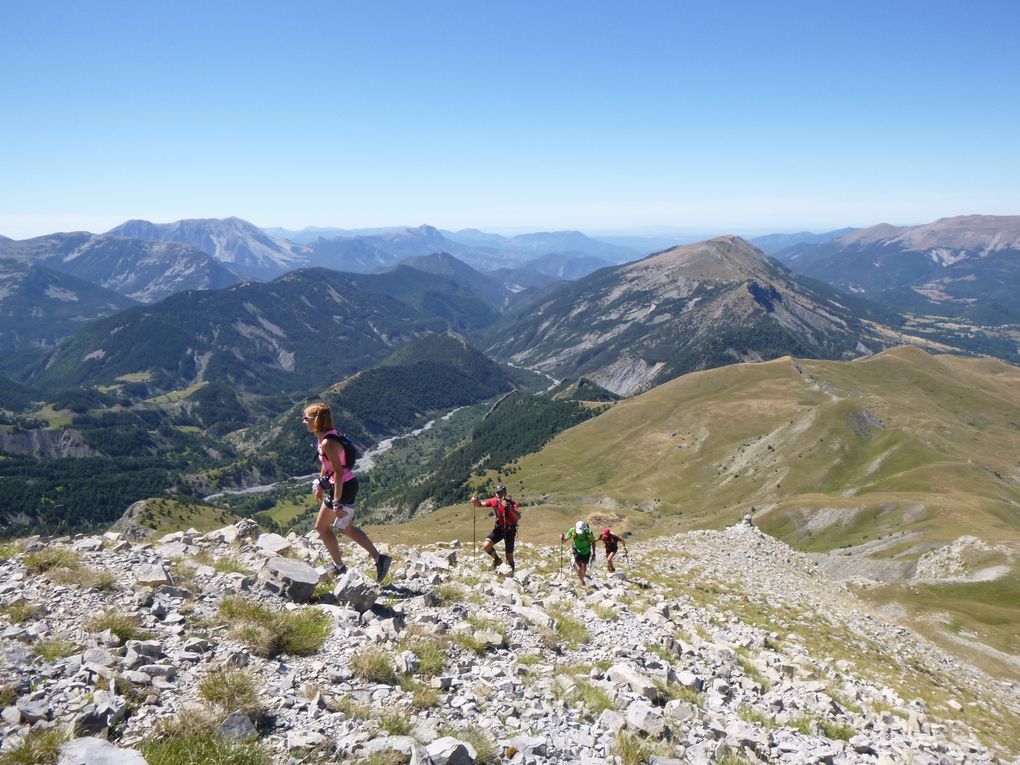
<point x="351" y="452"/>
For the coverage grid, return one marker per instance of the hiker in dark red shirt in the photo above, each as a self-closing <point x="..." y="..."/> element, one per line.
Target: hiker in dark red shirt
<point x="612" y="542"/>
<point x="505" y="530"/>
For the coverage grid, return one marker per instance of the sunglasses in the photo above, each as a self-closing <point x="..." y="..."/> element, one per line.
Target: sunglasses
<point x="306" y="418"/>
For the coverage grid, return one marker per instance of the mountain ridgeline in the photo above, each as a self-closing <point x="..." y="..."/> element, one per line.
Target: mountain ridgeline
<point x="967" y="266"/>
<point x="692" y="307"/>
<point x="300" y="332"/>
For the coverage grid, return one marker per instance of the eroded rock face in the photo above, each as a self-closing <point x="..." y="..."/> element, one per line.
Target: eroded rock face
<point x="647" y="659"/>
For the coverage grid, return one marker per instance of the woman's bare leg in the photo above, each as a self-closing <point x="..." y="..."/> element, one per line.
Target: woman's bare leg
<point x="324" y="527"/>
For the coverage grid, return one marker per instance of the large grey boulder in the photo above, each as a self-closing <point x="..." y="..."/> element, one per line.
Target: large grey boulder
<point x="355" y="591"/>
<point x="450" y="751"/>
<point x="97" y="751"/>
<point x="292" y="579"/>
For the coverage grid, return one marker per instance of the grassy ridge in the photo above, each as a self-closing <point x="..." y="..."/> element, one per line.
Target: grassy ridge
<point x="902" y="452"/>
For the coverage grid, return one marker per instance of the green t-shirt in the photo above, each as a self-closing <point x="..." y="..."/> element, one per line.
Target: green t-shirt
<point x="582" y="542"/>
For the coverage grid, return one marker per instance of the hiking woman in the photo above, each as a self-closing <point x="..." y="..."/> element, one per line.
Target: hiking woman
<point x="583" y="544"/>
<point x="507" y="516"/>
<point x="612" y="543"/>
<point x="337" y="496"/>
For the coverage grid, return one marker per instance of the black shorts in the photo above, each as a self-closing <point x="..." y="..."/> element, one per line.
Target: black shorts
<point x="580" y="558"/>
<point x="507" y="534"/>
<point x="348" y="492"/>
<point x="611" y="549"/>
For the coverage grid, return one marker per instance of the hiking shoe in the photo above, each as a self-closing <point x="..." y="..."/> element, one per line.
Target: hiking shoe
<point x="382" y="567"/>
<point x="339" y="570"/>
<point x="496" y="562"/>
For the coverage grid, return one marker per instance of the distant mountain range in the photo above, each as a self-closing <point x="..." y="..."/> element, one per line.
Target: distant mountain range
<point x="302" y="331"/>
<point x="701" y="305"/>
<point x="40" y="307"/>
<point x="773" y="243"/>
<point x="144" y="271"/>
<point x="571" y="251"/>
<point x="967" y="266"/>
<point x="241" y="245"/>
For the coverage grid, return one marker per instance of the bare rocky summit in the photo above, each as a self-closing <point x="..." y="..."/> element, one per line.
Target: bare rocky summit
<point x="708" y="647"/>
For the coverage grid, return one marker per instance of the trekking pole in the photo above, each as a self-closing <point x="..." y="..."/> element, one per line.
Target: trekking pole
<point x="561" y="558"/>
<point x="474" y="533"/>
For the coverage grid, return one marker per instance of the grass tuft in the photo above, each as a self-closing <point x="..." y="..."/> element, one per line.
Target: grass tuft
<point x="633" y="750"/>
<point x="570" y="630"/>
<point x="232" y="689"/>
<point x="374" y="666"/>
<point x="836" y="731"/>
<point x="124" y="626"/>
<point x="39" y="747"/>
<point x="51" y="650"/>
<point x="485" y="749"/>
<point x="21" y="610"/>
<point x="49" y="558"/>
<point x="192" y="738"/>
<point x="268" y="633"/>
<point x="430" y="652"/>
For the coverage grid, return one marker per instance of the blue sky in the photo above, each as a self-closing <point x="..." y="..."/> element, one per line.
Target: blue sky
<point x="722" y="117"/>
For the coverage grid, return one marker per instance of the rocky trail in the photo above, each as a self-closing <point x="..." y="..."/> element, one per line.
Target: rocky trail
<point x="710" y="647"/>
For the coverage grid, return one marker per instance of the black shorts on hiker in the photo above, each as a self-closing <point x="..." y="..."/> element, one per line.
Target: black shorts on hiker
<point x="507" y="533"/>
<point x="348" y="492"/>
<point x="580" y="558"/>
<point x="611" y="549"/>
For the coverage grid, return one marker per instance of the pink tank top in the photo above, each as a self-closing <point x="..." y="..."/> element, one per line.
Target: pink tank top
<point x="328" y="466"/>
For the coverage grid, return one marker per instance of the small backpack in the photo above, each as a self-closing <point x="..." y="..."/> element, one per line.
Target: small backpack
<point x="351" y="452"/>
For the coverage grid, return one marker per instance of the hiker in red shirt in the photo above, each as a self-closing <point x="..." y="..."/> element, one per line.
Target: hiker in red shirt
<point x="612" y="541"/>
<point x="507" y="517"/>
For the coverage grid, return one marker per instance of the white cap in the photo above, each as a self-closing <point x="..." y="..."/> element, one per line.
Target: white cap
<point x="579" y="527"/>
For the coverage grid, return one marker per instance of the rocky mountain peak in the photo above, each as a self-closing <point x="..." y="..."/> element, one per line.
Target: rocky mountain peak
<point x="738" y="648"/>
<point x="724" y="259"/>
<point x="978" y="234"/>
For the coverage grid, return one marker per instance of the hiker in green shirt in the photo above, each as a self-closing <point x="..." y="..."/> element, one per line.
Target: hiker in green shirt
<point x="583" y="544"/>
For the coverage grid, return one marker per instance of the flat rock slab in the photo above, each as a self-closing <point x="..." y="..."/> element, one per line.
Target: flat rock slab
<point x="97" y="751"/>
